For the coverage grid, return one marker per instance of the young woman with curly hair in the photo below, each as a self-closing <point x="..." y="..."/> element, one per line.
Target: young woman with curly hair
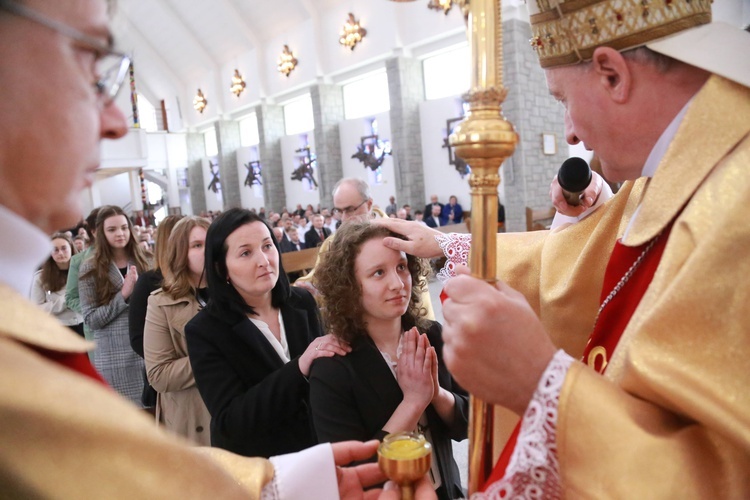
<point x="107" y="279"/>
<point x="48" y="290"/>
<point x="393" y="379"/>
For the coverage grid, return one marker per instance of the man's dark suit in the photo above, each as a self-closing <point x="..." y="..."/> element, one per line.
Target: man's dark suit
<point x="312" y="238"/>
<point x="258" y="405"/>
<point x="430" y="221"/>
<point x="352" y="397"/>
<point x="428" y="209"/>
<point x="286" y="245"/>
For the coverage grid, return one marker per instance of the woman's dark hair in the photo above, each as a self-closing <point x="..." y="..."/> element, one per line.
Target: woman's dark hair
<point x="335" y="279"/>
<point x="53" y="278"/>
<point x="90" y="225"/>
<point x="103" y="255"/>
<point x="224" y="300"/>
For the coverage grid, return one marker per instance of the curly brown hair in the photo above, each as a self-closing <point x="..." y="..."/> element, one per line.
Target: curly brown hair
<point x="343" y="314"/>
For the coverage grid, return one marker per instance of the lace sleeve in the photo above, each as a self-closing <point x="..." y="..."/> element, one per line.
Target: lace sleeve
<point x="533" y="470"/>
<point x="456" y="248"/>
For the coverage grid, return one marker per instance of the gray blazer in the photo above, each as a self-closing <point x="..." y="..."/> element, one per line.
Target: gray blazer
<point x="115" y="360"/>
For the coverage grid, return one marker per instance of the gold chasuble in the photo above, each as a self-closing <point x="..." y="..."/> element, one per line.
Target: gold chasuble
<point x="670" y="417"/>
<point x="90" y="442"/>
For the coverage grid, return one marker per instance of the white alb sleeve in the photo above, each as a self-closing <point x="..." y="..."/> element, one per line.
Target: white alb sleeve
<point x="309" y="473"/>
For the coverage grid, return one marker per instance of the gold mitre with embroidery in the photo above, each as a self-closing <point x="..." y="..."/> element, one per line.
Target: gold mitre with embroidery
<point x="567" y="31"/>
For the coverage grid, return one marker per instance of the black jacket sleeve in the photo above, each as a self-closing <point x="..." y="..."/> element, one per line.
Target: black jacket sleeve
<point x="147" y="283"/>
<point x="336" y="415"/>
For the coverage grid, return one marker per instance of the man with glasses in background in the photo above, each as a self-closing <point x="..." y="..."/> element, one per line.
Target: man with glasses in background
<point x="352" y="202"/>
<point x="64" y="434"/>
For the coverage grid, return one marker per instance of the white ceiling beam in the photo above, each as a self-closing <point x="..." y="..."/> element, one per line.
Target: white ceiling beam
<point x="170" y="72"/>
<point x="175" y="13"/>
<point x="248" y="32"/>
<point x="317" y="32"/>
<point x="211" y="58"/>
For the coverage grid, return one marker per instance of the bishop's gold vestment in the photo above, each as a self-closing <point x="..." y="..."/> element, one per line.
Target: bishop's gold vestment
<point x="671" y="416"/>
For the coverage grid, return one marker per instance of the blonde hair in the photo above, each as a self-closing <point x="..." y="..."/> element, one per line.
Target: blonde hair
<point x="177" y="272"/>
<point x="163" y="231"/>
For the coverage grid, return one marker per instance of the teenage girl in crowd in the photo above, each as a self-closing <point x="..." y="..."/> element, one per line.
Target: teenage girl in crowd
<point x="251" y="347"/>
<point x="48" y="289"/>
<point x="106" y="281"/>
<point x="394" y="378"/>
<point x="183" y="293"/>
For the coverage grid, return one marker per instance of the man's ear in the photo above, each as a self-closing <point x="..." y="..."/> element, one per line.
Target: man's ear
<point x="614" y="73"/>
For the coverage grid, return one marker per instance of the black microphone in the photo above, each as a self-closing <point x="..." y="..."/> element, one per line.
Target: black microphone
<point x="574" y="177"/>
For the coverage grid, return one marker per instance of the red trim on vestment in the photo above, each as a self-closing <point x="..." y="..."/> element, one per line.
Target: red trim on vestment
<point x="612" y="320"/>
<point x="76" y="361"/>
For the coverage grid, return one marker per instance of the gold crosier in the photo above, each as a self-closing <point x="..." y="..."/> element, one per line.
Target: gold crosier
<point x="484" y="139"/>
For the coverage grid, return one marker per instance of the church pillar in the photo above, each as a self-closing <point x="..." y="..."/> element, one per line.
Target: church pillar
<point x="406" y="91"/>
<point x="526" y="176"/>
<point x="270" y="131"/>
<point x="228" y="141"/>
<point x="328" y="111"/>
<point x="196" y="151"/>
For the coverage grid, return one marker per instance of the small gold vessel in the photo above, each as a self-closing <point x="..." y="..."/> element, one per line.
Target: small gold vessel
<point x="404" y="457"/>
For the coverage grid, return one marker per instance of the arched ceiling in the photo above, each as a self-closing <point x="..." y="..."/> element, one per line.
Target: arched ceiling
<point x="181" y="45"/>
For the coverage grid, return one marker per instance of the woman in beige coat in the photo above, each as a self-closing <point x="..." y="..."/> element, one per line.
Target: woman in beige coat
<point x="179" y="406"/>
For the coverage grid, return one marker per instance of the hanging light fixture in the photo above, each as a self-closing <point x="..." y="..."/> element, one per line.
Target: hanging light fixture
<point x="199" y="102"/>
<point x="238" y="83"/>
<point x="351" y="33"/>
<point x="287" y="61"/>
<point x="444" y="5"/>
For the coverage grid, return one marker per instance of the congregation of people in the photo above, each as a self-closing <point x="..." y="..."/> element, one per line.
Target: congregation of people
<point x="202" y="329"/>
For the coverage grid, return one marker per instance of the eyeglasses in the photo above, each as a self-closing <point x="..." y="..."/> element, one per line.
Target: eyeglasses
<point x="111" y="66"/>
<point x="347" y="210"/>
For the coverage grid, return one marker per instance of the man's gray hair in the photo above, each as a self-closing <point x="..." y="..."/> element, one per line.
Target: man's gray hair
<point x="644" y="55"/>
<point x="361" y="186"/>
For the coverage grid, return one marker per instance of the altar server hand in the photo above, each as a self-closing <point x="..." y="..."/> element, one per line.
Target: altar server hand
<point x="322" y="347"/>
<point x="590" y="195"/>
<point x="495" y="346"/>
<point x="353" y="481"/>
<point x="414" y="369"/>
<point x="420" y="239"/>
<point x="423" y="490"/>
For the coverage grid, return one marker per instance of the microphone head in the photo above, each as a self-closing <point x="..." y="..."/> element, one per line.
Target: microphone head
<point x="574" y="175"/>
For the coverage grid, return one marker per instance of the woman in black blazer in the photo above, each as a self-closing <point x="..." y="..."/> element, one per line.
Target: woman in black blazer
<point x="394" y="378"/>
<point x="252" y="345"/>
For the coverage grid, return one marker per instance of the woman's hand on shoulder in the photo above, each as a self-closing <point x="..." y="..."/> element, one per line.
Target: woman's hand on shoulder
<point x="414" y="369"/>
<point x="322" y="347"/>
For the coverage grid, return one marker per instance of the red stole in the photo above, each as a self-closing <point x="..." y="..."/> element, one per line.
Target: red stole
<point x="612" y="319"/>
<point x="77" y="361"/>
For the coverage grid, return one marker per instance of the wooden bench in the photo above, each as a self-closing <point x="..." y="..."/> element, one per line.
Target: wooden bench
<point x="299" y="261"/>
<point x="539" y="219"/>
<point x="461" y="227"/>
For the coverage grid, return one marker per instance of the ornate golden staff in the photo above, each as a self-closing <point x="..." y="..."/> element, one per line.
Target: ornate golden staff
<point x="483" y="140"/>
